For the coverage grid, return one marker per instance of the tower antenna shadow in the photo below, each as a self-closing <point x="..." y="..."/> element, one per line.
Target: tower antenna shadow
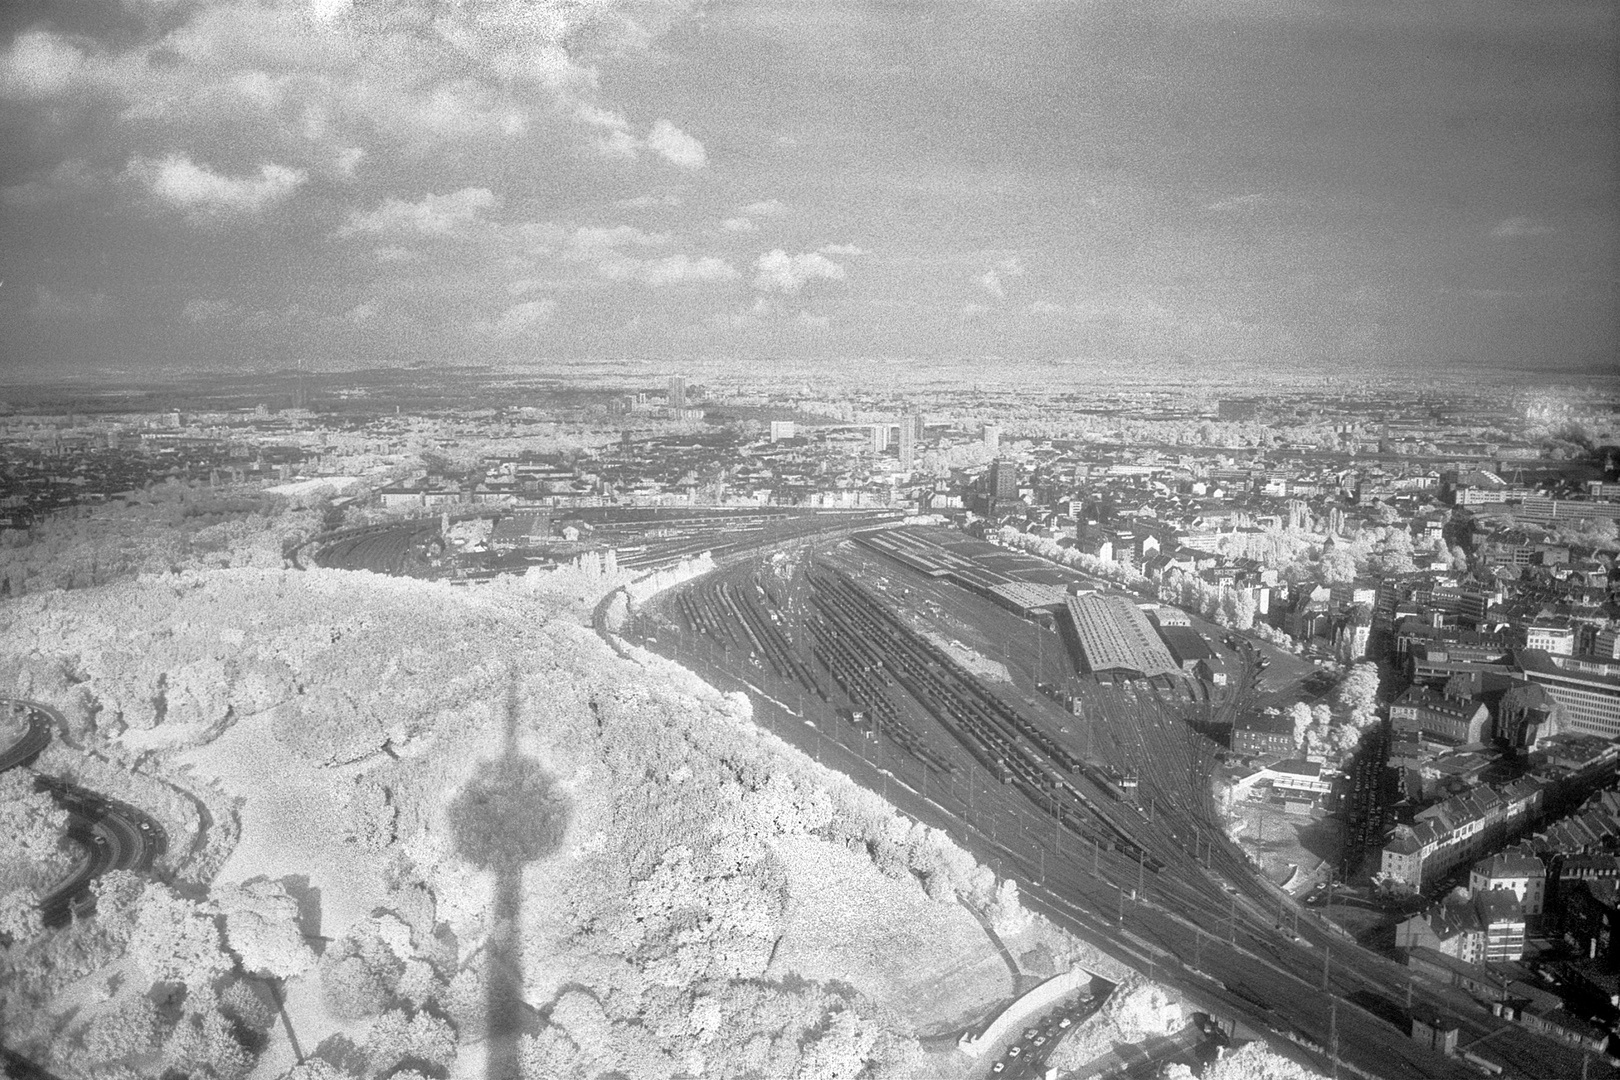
<point x="508" y="815"/>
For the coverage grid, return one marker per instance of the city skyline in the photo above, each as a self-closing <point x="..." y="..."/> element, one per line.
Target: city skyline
<point x="1209" y="188"/>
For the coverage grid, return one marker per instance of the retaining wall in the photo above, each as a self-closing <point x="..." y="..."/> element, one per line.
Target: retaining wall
<point x="1031" y="1004"/>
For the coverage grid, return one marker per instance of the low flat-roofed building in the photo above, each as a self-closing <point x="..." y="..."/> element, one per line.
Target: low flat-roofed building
<point x="1292" y="780"/>
<point x="1116" y="638"/>
<point x="1187" y="646"/>
<point x="1540" y="1010"/>
<point x="392" y="497"/>
<point x="520" y="531"/>
<point x="1030" y="599"/>
<point x="1212" y="670"/>
<point x="1450" y="970"/>
<point x="1164" y="615"/>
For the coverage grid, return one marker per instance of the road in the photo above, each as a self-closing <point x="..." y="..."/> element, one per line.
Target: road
<point x="1207" y="922"/>
<point x="113" y="835"/>
<point x="1025" y="1057"/>
<point x="31" y="743"/>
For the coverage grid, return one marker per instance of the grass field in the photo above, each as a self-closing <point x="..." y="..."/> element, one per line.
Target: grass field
<point x="930" y="962"/>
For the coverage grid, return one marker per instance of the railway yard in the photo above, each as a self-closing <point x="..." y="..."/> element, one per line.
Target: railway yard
<point x="1092" y="792"/>
<point x="639" y="537"/>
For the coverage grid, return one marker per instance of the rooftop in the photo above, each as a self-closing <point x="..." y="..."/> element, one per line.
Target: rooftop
<point x="1116" y="636"/>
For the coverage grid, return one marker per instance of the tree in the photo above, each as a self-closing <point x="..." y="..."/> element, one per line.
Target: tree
<point x="314" y="1068"/>
<point x="19" y="915"/>
<point x="1300" y="714"/>
<point x="204" y="1046"/>
<point x="175" y="940"/>
<point x="1338" y="566"/>
<point x="1600" y="534"/>
<point x="118" y="900"/>
<point x="1358" y="693"/>
<point x="31" y="829"/>
<point x="397" y="1038"/>
<point x="359" y="974"/>
<point x="262" y="929"/>
<point x="127" y="1029"/>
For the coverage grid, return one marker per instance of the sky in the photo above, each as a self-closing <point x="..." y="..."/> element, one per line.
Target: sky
<point x="1214" y="185"/>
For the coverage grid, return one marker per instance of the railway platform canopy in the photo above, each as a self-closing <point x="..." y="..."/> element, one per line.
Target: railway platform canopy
<point x="1116" y="638"/>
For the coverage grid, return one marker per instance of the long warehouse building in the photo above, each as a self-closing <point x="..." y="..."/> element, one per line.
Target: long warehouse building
<point x="1116" y="638"/>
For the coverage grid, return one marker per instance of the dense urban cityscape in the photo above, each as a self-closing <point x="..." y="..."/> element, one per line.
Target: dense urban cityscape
<point x="1294" y="715"/>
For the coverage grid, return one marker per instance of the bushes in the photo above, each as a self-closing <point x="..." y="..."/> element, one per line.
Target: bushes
<point x="666" y="892"/>
<point x="359" y="974"/>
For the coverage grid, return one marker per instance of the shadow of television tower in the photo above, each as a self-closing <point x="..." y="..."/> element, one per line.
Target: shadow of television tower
<point x="508" y="815"/>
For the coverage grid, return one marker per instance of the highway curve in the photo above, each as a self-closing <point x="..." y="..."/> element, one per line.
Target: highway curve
<point x="32" y="742"/>
<point x="114" y="835"/>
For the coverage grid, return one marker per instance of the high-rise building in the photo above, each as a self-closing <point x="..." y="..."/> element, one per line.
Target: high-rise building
<point x="1004" y="481"/>
<point x="908" y="443"/>
<point x="781" y="429"/>
<point x="992" y="438"/>
<point x="880" y="438"/>
<point x="677" y="392"/>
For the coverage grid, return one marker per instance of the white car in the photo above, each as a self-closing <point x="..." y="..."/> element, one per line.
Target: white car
<point x="1015" y="1051"/>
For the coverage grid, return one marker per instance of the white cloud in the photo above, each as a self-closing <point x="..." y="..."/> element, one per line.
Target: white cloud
<point x="595" y="241"/>
<point x="1046" y="307"/>
<point x="670" y="270"/>
<point x="347" y="161"/>
<point x="764" y="208"/>
<point x="614" y="138"/>
<point x="738" y="225"/>
<point x="676" y="147"/>
<point x="1515" y="227"/>
<point x="991" y="280"/>
<point x="185" y="185"/>
<point x="841" y="249"/>
<point x="521" y="318"/>
<point x="432" y="215"/>
<point x="645" y="202"/>
<point x="38" y="65"/>
<point x="777" y="271"/>
<point x="814" y="322"/>
<point x="327" y="11"/>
